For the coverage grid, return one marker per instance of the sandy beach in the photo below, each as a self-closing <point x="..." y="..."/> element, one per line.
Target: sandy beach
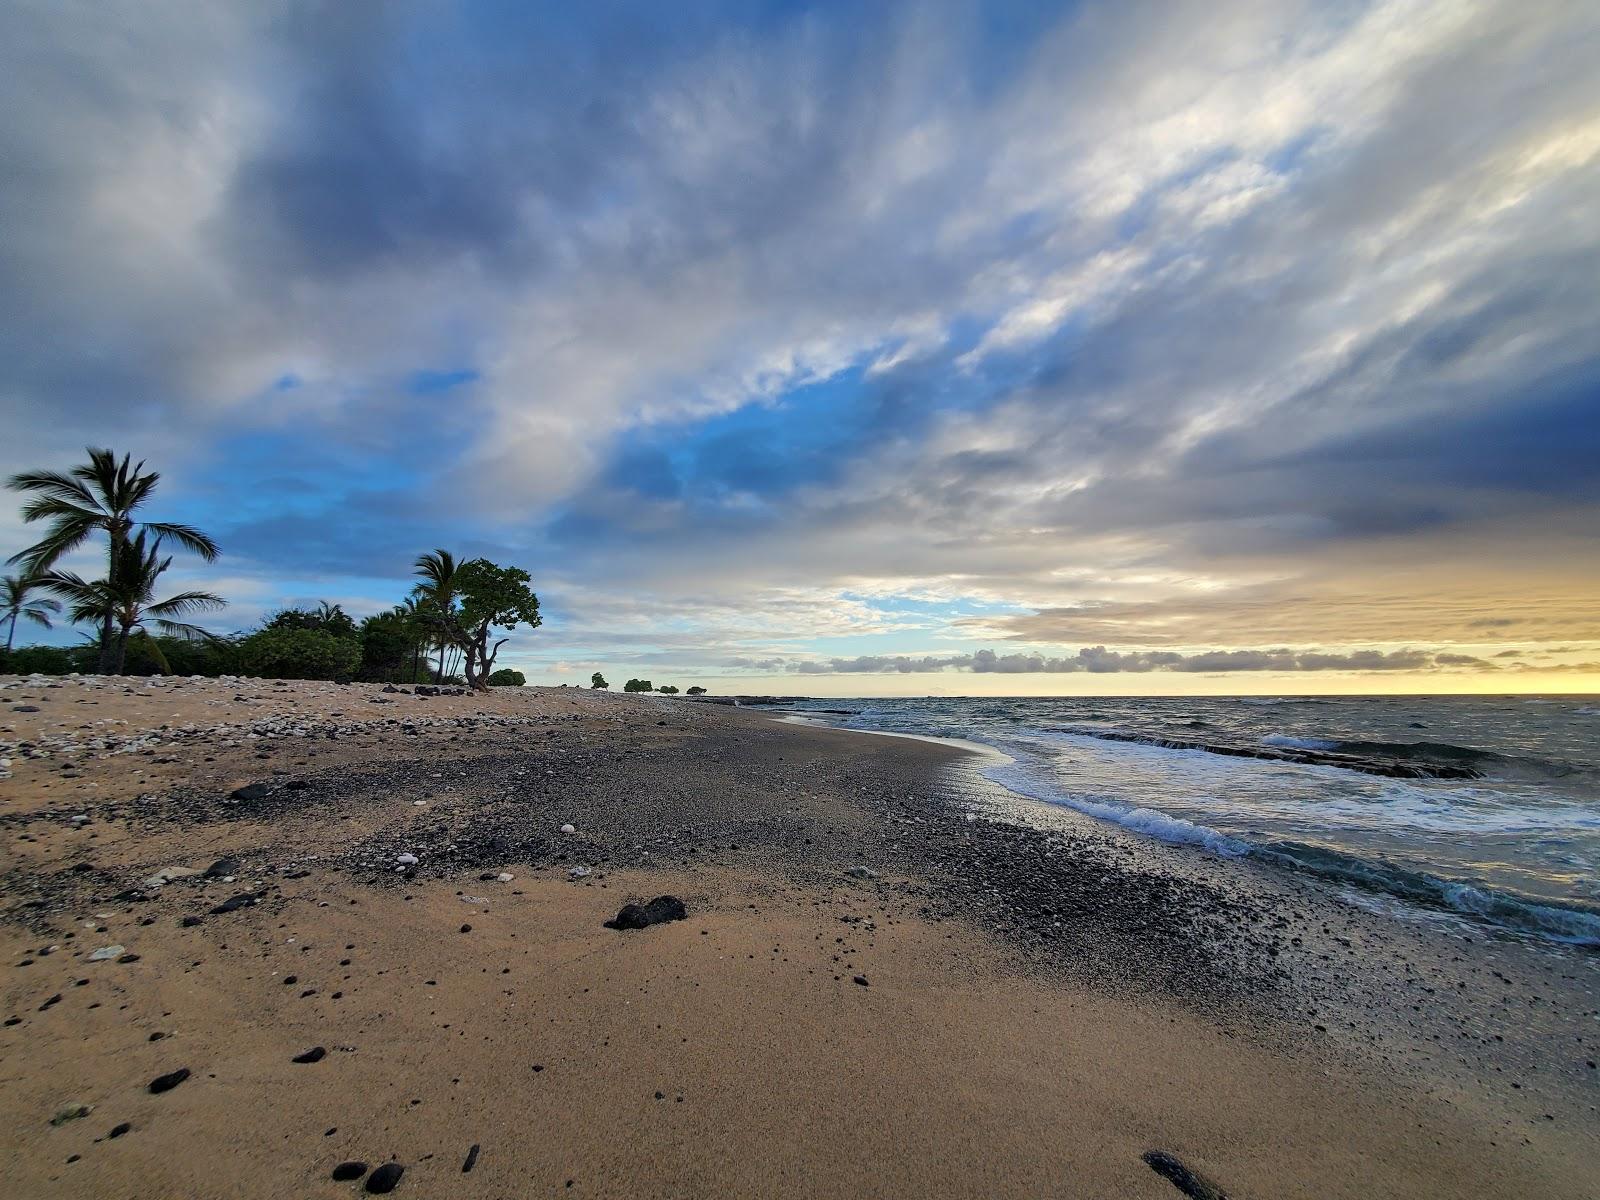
<point x="884" y="986"/>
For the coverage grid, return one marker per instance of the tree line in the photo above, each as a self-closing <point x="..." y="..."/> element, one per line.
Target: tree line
<point x="445" y="631"/>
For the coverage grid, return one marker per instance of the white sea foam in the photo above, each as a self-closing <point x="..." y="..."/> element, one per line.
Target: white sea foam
<point x="1300" y="743"/>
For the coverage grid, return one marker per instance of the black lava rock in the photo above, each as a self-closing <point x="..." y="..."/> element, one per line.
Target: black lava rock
<point x="165" y="1083"/>
<point x="190" y="922"/>
<point x="472" y="1159"/>
<point x="249" y="792"/>
<point x="118" y="1130"/>
<point x="235" y="903"/>
<point x="1190" y="1183"/>
<point x="639" y="916"/>
<point x="347" y="1171"/>
<point x="385" y="1179"/>
<point x="223" y="866"/>
<point x="315" y="1054"/>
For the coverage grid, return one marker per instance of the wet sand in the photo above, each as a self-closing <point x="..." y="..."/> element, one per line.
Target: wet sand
<point x="995" y="1048"/>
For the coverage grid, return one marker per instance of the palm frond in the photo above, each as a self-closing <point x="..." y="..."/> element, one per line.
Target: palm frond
<point x="186" y="602"/>
<point x="56" y="484"/>
<point x="191" y="539"/>
<point x="189" y="633"/>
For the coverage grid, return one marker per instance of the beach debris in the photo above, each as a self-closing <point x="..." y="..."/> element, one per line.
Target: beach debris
<point x="313" y="1055"/>
<point x="165" y="1083"/>
<point x="579" y="872"/>
<point x="385" y="1179"/>
<point x="863" y="873"/>
<point x="107" y="953"/>
<point x="640" y="916"/>
<point x="71" y="1111"/>
<point x="472" y="1159"/>
<point x="407" y="860"/>
<point x="1191" y="1183"/>
<point x="347" y="1171"/>
<point x="569" y="828"/>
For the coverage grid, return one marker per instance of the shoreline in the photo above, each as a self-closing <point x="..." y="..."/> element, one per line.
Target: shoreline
<point x="1032" y="976"/>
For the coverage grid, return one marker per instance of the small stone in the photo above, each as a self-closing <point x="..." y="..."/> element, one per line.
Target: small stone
<point x="347" y="1171"/>
<point x="118" y="1130"/>
<point x="315" y="1054"/>
<point x="235" y="903"/>
<point x="472" y="1159"/>
<point x="504" y="877"/>
<point x="71" y="1111"/>
<point x="165" y="1083"/>
<point x="190" y="922"/>
<point x="466" y="929"/>
<point x="406" y="860"/>
<point x="106" y="953"/>
<point x="249" y="792"/>
<point x="385" y="1179"/>
<point x="863" y="873"/>
<point x="222" y="868"/>
<point x="862" y="980"/>
<point x="569" y="829"/>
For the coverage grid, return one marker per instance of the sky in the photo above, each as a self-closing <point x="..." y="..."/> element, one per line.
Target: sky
<point x="928" y="348"/>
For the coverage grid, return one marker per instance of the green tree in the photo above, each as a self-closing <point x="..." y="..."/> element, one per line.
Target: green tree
<point x="696" y="691"/>
<point x="391" y="645"/>
<point x="598" y="680"/>
<point x="492" y="597"/>
<point x="299" y="654"/>
<point x="16" y="600"/>
<point x="330" y="618"/>
<point x="99" y="496"/>
<point x="506" y="677"/>
<point x="638" y="685"/>
<point x="666" y="689"/>
<point x="128" y="596"/>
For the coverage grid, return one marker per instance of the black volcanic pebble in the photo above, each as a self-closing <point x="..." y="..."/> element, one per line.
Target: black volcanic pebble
<point x="385" y="1179"/>
<point x="190" y="922"/>
<point x="234" y="903"/>
<point x="165" y="1083"/>
<point x="1190" y="1183"/>
<point x="639" y="916"/>
<point x="472" y="1159"/>
<point x="315" y="1054"/>
<point x="347" y="1171"/>
<point x="862" y="980"/>
<point x="223" y="866"/>
<point x="466" y="929"/>
<point x="118" y="1130"/>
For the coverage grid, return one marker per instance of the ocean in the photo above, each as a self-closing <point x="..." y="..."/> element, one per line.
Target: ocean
<point x="1476" y="810"/>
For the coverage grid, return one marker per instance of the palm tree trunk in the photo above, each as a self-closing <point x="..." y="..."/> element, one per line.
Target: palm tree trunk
<point x="12" y="635"/>
<point x="106" y="649"/>
<point x="121" y="651"/>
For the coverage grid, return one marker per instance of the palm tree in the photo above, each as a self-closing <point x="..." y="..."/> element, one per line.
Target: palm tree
<point x="436" y="595"/>
<point x="99" y="495"/>
<point x="14" y="603"/>
<point x="127" y="595"/>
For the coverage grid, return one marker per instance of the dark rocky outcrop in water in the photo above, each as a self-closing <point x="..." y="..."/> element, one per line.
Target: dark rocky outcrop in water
<point x="1393" y="767"/>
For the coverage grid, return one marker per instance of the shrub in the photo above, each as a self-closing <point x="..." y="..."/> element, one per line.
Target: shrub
<point x="697" y="691"/>
<point x="598" y="680"/>
<point x="638" y="685"/>
<point x="506" y="677"/>
<point x="298" y="654"/>
<point x="48" y="660"/>
<point x="666" y="689"/>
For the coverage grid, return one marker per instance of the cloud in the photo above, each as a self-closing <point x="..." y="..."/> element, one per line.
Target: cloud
<point x="1100" y="660"/>
<point x="1257" y="325"/>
